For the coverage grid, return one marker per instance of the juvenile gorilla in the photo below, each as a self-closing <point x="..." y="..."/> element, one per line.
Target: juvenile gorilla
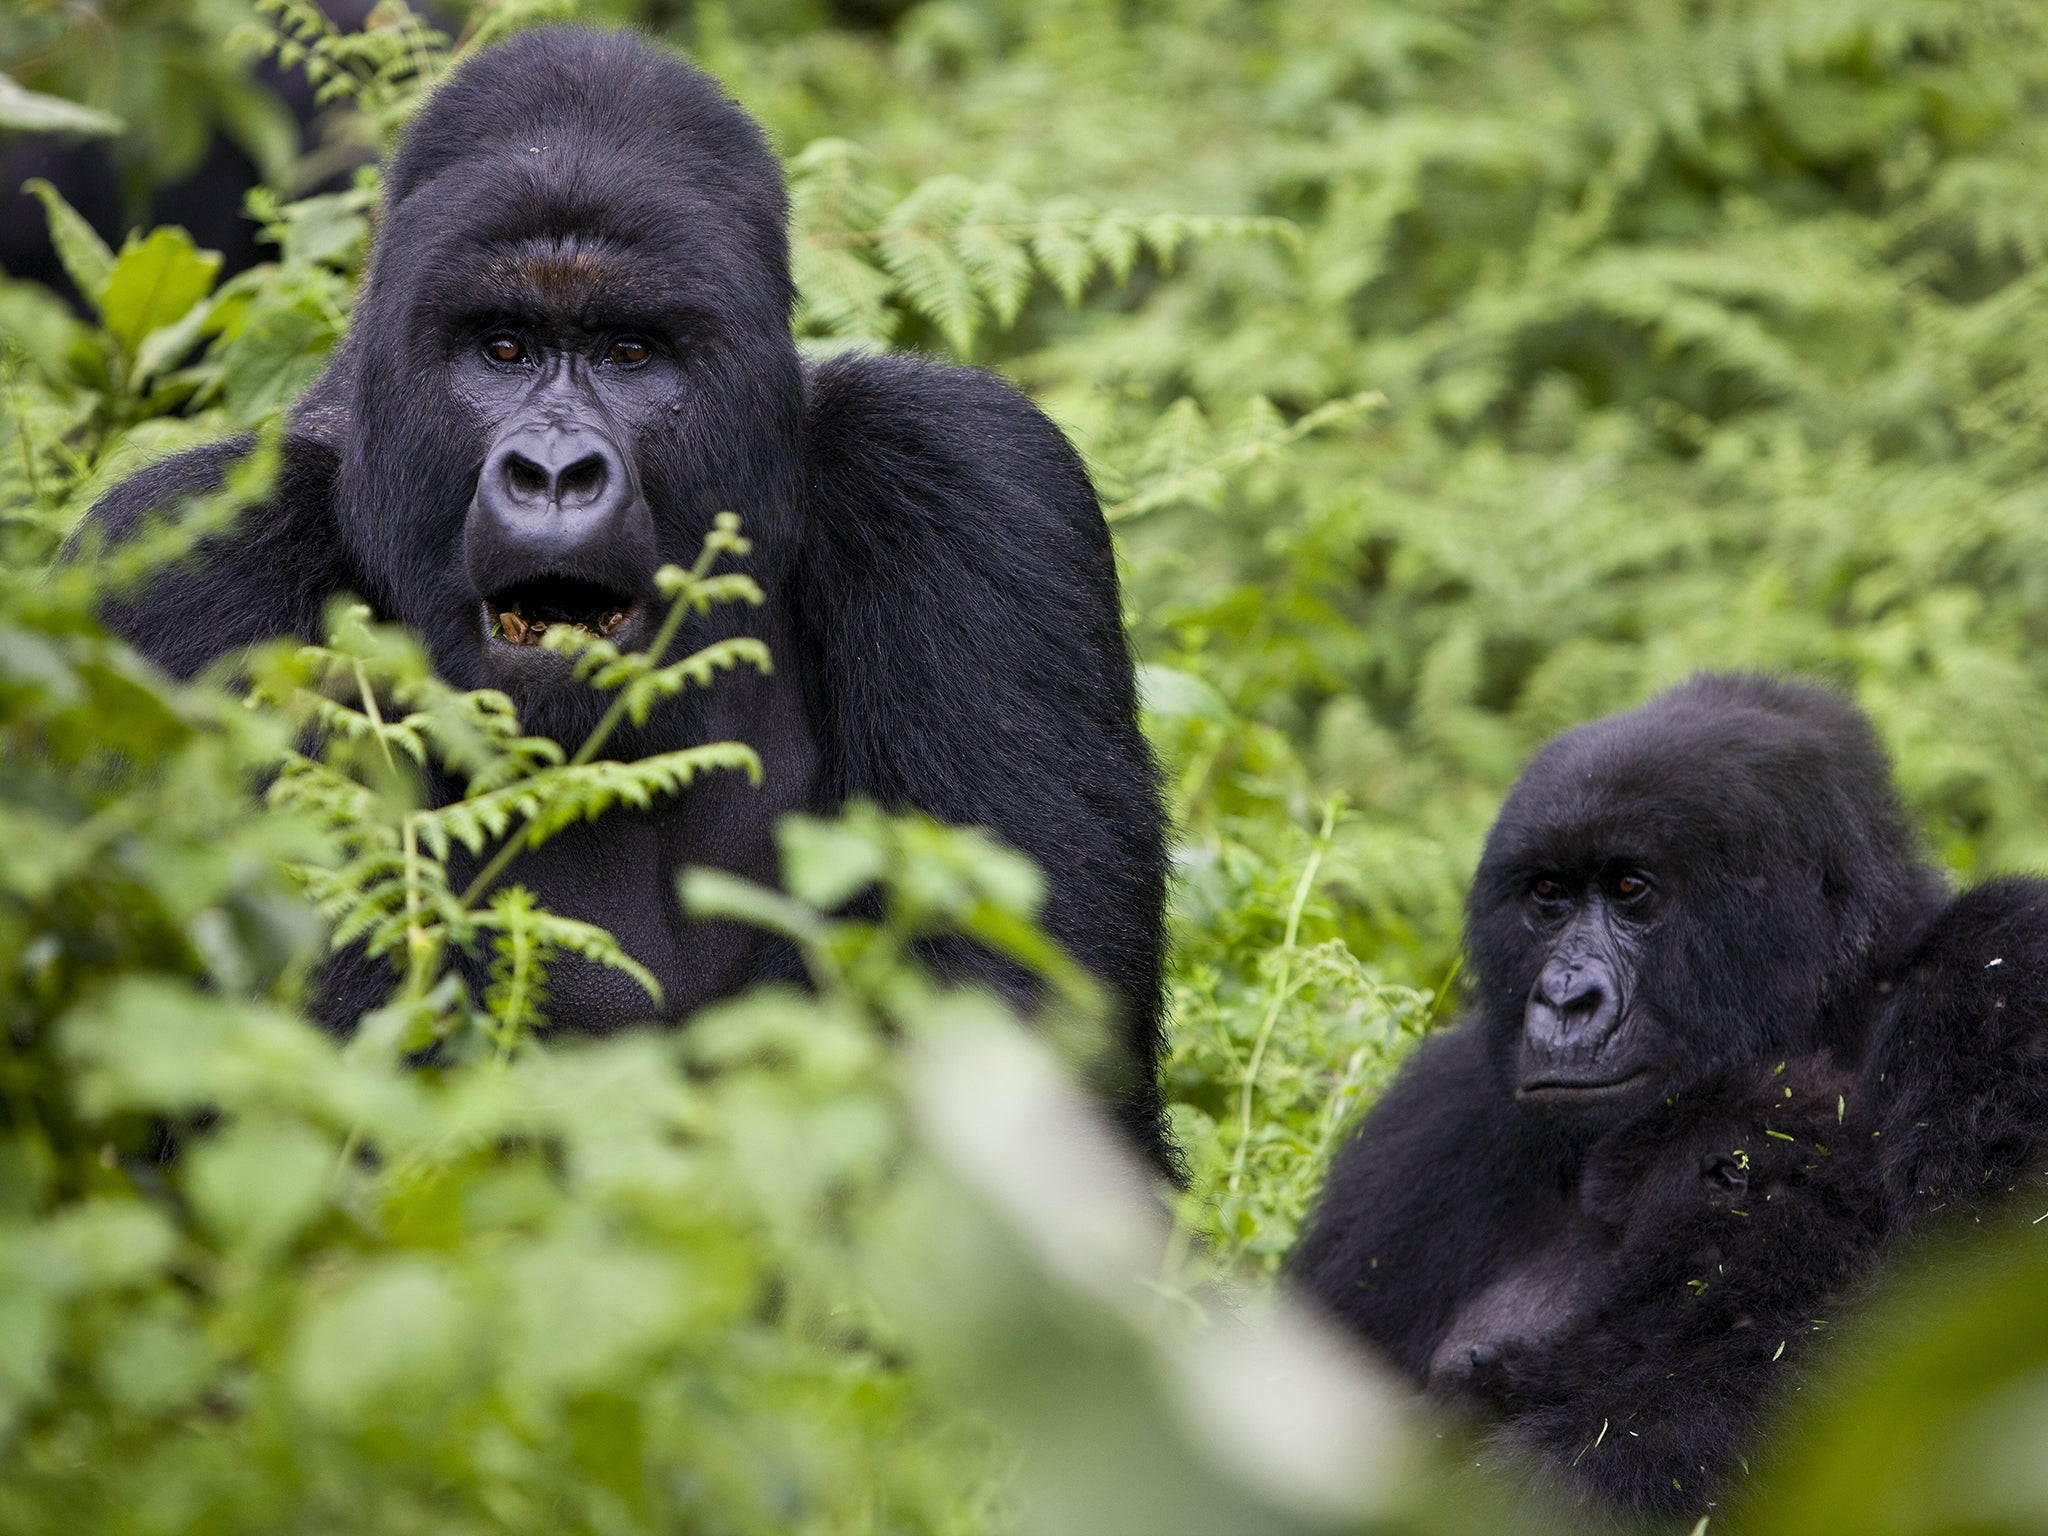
<point x="571" y="351"/>
<point x="1674" y="903"/>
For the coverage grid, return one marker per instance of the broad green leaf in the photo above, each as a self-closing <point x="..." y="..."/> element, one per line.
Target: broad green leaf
<point x="258" y="1184"/>
<point x="395" y="1333"/>
<point x="154" y="283"/>
<point x="107" y="1243"/>
<point x="26" y="111"/>
<point x="84" y="255"/>
<point x="150" y="1362"/>
<point x="828" y="863"/>
<point x="330" y="229"/>
<point x="165" y="345"/>
<point x="41" y="324"/>
<point x="582" y="1314"/>
<point x="271" y="360"/>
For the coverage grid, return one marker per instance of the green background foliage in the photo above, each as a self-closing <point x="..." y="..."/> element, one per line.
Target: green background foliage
<point x="1452" y="373"/>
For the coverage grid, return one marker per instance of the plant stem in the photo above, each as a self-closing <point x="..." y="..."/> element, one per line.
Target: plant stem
<point x="1281" y="986"/>
<point x="518" y="842"/>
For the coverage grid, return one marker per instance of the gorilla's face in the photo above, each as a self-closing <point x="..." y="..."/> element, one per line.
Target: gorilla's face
<point x="571" y="353"/>
<point x="1587" y="1034"/>
<point x="559" y="531"/>
<point x="1698" y="883"/>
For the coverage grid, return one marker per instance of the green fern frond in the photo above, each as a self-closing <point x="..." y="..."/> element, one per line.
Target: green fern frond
<point x="960" y="254"/>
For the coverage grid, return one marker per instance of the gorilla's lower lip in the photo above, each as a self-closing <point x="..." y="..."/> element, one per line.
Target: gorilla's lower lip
<point x="523" y="614"/>
<point x="1575" y="1088"/>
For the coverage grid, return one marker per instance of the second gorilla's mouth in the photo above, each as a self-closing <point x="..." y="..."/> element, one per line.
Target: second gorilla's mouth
<point x="522" y="614"/>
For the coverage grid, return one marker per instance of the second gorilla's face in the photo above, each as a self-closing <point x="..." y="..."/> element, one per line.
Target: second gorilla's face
<point x="1586" y="1038"/>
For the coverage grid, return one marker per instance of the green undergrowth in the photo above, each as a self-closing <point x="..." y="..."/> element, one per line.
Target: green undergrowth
<point x="1451" y="373"/>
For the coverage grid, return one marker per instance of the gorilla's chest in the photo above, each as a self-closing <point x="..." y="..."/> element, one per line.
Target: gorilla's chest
<point x="621" y="871"/>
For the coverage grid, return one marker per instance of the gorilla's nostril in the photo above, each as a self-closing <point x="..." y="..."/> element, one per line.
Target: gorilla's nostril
<point x="1584" y="1003"/>
<point x="526" y="480"/>
<point x="584" y="480"/>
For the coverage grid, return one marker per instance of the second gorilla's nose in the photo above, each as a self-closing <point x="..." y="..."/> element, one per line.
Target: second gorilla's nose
<point x="1571" y="1008"/>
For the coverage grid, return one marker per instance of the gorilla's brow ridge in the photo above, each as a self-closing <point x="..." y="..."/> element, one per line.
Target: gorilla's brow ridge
<point x="564" y="277"/>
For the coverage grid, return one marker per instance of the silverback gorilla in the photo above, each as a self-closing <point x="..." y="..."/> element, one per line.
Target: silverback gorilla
<point x="1729" y="1039"/>
<point x="573" y="349"/>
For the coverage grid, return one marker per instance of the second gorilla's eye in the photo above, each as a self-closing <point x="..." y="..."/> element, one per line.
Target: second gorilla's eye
<point x="505" y="348"/>
<point x="628" y="352"/>
<point x="1629" y="887"/>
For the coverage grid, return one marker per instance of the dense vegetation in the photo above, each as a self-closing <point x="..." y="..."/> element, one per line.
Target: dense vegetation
<point x="1452" y="372"/>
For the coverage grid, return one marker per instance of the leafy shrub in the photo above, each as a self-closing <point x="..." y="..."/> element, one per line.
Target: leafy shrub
<point x="1452" y="374"/>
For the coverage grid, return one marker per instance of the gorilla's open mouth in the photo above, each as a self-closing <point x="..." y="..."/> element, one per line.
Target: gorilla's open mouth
<point x="523" y="613"/>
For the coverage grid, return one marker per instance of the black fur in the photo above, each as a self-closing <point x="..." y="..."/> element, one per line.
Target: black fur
<point x="942" y="608"/>
<point x="1716" y="1237"/>
<point x="1535" y="1251"/>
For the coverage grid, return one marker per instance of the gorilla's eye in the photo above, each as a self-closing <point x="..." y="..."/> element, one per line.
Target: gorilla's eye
<point x="1631" y="887"/>
<point x="628" y="352"/>
<point x="505" y="348"/>
<point x="1546" y="889"/>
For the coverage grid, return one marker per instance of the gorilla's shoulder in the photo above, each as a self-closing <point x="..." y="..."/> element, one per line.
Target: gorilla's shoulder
<point x="305" y="480"/>
<point x="934" y="441"/>
<point x="270" y="573"/>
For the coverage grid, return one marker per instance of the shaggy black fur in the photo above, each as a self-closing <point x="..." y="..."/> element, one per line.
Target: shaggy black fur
<point x="1715" y="1237"/>
<point x="1697" y="927"/>
<point x="571" y="351"/>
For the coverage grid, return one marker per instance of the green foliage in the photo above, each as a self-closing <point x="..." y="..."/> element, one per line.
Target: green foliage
<point x="390" y="890"/>
<point x="958" y="255"/>
<point x="159" y="80"/>
<point x="1452" y="374"/>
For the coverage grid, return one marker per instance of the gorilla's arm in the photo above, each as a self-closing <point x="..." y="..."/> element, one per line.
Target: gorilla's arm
<point x="271" y="575"/>
<point x="1653" y="1398"/>
<point x="957" y="599"/>
<point x="1960" y="1053"/>
<point x="1438" y="1194"/>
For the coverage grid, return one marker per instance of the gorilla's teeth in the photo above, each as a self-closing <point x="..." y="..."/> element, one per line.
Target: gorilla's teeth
<point x="515" y="627"/>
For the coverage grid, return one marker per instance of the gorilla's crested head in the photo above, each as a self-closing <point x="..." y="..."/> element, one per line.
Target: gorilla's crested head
<point x="571" y="352"/>
<point x="1704" y="880"/>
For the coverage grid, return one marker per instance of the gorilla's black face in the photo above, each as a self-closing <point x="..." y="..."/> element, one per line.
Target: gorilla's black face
<point x="1699" y="882"/>
<point x="571" y="353"/>
<point x="559" y="531"/>
<point x="1586" y="1034"/>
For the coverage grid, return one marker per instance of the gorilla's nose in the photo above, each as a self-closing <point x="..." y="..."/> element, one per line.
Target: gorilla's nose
<point x="571" y="474"/>
<point x="1572" y="1009"/>
<point x="558" y="496"/>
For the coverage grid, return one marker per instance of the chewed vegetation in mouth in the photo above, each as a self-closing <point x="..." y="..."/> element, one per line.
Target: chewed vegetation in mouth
<point x="523" y="614"/>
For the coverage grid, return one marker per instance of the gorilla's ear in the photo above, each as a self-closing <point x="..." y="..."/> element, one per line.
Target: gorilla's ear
<point x="1724" y="1171"/>
<point x="323" y="413"/>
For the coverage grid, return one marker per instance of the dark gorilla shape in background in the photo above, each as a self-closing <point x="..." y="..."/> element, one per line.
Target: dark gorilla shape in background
<point x="1699" y="929"/>
<point x="572" y="349"/>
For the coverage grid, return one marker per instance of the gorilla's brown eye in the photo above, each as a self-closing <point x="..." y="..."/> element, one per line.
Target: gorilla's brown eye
<point x="1629" y="887"/>
<point x="1547" y="890"/>
<point x="505" y="349"/>
<point x="627" y="352"/>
